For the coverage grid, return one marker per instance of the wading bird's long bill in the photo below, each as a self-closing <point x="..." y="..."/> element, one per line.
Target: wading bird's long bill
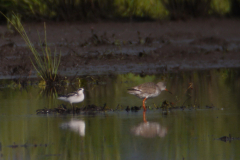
<point x="168" y="91"/>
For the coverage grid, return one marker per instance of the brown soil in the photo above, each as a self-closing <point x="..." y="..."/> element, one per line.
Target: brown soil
<point x="114" y="47"/>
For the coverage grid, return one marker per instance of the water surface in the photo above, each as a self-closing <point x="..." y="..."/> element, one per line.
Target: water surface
<point x="181" y="134"/>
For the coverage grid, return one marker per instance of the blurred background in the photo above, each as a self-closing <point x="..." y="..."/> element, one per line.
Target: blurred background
<point x="94" y="10"/>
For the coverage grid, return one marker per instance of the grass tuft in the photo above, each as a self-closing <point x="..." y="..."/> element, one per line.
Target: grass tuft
<point x="45" y="64"/>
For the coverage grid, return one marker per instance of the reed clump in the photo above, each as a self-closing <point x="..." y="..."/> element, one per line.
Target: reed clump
<point x="45" y="63"/>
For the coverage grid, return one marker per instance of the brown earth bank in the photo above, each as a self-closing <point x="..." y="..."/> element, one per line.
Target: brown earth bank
<point x="116" y="47"/>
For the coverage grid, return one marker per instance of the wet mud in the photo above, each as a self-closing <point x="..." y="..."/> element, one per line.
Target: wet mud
<point x="228" y="139"/>
<point x="95" y="109"/>
<point x="26" y="145"/>
<point x="63" y="109"/>
<point x="114" y="47"/>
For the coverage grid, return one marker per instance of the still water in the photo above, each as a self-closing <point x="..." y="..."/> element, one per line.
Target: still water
<point x="181" y="134"/>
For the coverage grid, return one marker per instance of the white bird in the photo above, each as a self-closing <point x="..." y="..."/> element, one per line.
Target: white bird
<point x="73" y="97"/>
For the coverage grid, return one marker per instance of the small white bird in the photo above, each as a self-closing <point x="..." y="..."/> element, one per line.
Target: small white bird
<point x="73" y="97"/>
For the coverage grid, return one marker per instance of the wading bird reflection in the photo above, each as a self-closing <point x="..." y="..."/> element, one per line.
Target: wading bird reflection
<point x="149" y="129"/>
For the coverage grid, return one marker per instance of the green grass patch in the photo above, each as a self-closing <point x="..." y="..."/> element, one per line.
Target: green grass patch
<point x="46" y="64"/>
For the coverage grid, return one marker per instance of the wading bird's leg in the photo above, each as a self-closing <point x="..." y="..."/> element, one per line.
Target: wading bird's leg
<point x="144" y="116"/>
<point x="144" y="108"/>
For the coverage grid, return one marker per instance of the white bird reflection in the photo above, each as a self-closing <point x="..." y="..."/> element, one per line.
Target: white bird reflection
<point x="149" y="129"/>
<point x="77" y="126"/>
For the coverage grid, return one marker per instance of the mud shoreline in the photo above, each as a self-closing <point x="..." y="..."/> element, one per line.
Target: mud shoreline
<point x="115" y="48"/>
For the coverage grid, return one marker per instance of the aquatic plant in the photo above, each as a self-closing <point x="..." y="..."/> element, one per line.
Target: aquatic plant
<point x="45" y="64"/>
<point x="15" y="19"/>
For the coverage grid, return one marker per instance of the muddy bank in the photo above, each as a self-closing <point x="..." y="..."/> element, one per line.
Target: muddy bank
<point x="110" y="48"/>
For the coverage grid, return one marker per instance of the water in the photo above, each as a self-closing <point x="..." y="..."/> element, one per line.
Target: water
<point x="181" y="134"/>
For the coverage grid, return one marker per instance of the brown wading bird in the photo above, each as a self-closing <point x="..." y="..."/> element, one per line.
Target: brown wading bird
<point x="147" y="90"/>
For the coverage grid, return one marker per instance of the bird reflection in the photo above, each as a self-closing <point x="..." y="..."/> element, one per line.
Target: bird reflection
<point x="77" y="126"/>
<point x="149" y="129"/>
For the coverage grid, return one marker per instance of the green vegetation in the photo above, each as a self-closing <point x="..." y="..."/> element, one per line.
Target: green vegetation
<point x="45" y="64"/>
<point x="113" y="9"/>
